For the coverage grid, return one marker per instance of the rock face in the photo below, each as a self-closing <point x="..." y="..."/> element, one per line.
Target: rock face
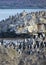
<point x="25" y="23"/>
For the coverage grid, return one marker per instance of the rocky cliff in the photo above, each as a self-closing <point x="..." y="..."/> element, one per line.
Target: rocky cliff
<point x="24" y="23"/>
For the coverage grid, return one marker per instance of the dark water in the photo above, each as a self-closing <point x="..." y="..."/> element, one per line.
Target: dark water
<point x="12" y="4"/>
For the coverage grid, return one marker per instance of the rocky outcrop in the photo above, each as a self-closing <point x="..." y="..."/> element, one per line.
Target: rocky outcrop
<point x="25" y="23"/>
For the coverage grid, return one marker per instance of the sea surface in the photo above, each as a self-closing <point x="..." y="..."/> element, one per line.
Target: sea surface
<point x="15" y="4"/>
<point x="5" y="13"/>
